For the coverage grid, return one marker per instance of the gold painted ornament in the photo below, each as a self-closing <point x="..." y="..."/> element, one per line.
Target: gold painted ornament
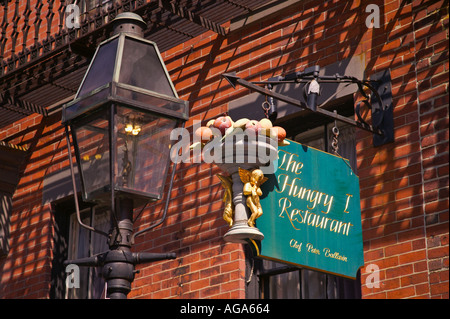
<point x="252" y="181"/>
<point x="228" y="212"/>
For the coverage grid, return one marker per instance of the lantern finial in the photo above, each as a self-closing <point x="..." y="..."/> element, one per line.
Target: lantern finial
<point x="129" y="22"/>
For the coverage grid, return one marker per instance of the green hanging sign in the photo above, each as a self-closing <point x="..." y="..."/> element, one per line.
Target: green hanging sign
<point x="311" y="212"/>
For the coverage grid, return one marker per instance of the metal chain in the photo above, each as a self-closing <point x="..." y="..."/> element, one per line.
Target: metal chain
<point x="266" y="107"/>
<point x="334" y="143"/>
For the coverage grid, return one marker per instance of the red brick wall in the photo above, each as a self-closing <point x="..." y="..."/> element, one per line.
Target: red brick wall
<point x="25" y="272"/>
<point x="404" y="185"/>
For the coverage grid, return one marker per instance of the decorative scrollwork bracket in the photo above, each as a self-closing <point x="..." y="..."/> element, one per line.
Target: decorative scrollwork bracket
<point x="378" y="101"/>
<point x="382" y="108"/>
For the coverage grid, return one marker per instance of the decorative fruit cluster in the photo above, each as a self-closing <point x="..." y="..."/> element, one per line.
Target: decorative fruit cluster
<point x="227" y="127"/>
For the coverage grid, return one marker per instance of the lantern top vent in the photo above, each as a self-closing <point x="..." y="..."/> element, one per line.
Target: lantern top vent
<point x="130" y="23"/>
<point x="127" y="69"/>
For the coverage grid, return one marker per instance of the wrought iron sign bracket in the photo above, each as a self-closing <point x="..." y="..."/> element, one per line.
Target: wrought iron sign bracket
<point x="382" y="107"/>
<point x="378" y="99"/>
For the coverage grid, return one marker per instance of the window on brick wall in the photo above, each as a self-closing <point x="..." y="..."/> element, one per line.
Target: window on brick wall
<point x="281" y="281"/>
<point x="71" y="241"/>
<point x="5" y="213"/>
<point x="84" y="243"/>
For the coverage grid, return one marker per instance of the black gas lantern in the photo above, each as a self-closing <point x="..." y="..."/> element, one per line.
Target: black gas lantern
<point x="120" y="122"/>
<point x="122" y="117"/>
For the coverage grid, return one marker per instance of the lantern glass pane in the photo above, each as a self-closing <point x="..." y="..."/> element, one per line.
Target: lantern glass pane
<point x="93" y="145"/>
<point x="141" y="67"/>
<point x="143" y="147"/>
<point x="101" y="69"/>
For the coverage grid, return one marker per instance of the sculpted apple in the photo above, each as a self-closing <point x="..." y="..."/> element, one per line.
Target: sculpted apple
<point x="253" y="125"/>
<point x="222" y="123"/>
<point x="266" y="125"/>
<point x="204" y="134"/>
<point x="278" y="132"/>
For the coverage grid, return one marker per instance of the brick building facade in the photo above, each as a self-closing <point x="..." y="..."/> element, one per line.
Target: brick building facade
<point x="403" y="184"/>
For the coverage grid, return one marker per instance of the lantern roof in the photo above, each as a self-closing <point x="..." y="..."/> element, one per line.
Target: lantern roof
<point x="127" y="69"/>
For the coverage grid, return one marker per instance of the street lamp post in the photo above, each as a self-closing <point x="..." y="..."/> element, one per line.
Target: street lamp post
<point x="120" y="122"/>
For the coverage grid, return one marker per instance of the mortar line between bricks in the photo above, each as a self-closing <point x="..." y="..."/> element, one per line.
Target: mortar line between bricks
<point x="421" y="152"/>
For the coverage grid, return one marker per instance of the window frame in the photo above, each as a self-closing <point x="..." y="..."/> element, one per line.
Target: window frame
<point x="65" y="223"/>
<point x="89" y="216"/>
